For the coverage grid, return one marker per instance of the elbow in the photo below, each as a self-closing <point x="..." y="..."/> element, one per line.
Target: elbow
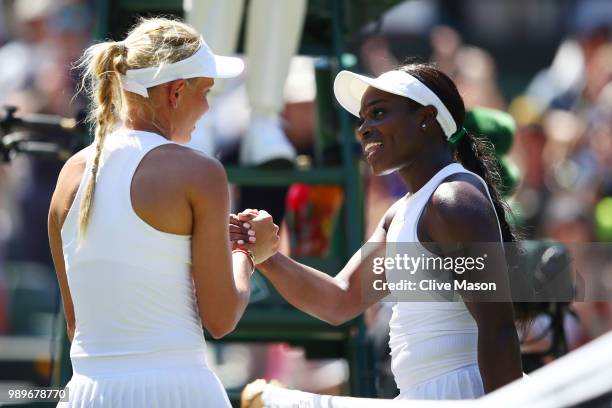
<point x="338" y="317"/>
<point x="70" y="328"/>
<point x="220" y="333"/>
<point x="220" y="329"/>
<point x="340" y="311"/>
<point x="222" y="324"/>
<point x="339" y="320"/>
<point x="334" y="321"/>
<point x="217" y="335"/>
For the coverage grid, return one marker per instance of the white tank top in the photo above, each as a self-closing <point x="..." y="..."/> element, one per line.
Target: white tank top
<point x="428" y="339"/>
<point x="131" y="284"/>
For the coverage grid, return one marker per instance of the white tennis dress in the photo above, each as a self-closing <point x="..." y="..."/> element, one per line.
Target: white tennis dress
<point x="138" y="340"/>
<point x="433" y="344"/>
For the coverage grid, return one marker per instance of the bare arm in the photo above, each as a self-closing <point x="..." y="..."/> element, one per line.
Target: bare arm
<point x="222" y="279"/>
<point x="334" y="300"/>
<point x="62" y="199"/>
<point x="460" y="212"/>
<point x="55" y="243"/>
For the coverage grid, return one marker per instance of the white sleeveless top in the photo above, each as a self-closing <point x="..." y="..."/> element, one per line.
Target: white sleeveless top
<point x="131" y="284"/>
<point x="428" y="339"/>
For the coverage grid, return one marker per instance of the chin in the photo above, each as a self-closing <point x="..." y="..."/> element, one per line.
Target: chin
<point x="385" y="172"/>
<point x="382" y="171"/>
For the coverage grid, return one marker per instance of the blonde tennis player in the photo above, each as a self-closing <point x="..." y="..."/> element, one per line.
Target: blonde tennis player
<point x="138" y="229"/>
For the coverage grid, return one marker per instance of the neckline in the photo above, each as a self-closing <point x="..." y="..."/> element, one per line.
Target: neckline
<point x="137" y="132"/>
<point x="444" y="169"/>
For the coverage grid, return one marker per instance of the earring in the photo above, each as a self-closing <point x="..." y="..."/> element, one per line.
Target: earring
<point x="423" y="125"/>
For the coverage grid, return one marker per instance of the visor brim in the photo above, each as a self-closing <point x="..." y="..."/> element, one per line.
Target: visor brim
<point x="349" y="89"/>
<point x="226" y="67"/>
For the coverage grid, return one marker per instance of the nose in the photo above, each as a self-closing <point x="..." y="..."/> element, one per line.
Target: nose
<point x="363" y="130"/>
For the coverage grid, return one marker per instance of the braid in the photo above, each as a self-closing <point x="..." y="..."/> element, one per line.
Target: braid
<point x="477" y="155"/>
<point x="105" y="61"/>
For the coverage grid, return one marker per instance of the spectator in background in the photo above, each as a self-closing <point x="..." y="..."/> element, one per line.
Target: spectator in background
<point x="476" y="78"/>
<point x="3" y="25"/>
<point x="564" y="144"/>
<point x="273" y="31"/>
<point x="35" y="77"/>
<point x="5" y="229"/>
<point x="472" y="68"/>
<point x="565" y="117"/>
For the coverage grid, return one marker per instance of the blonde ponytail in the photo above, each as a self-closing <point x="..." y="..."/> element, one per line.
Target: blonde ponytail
<point x="102" y="62"/>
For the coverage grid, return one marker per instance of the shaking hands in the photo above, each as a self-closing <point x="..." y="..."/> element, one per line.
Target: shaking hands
<point x="256" y="231"/>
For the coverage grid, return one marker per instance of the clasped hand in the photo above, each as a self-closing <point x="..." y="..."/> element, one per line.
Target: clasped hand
<point x="256" y="231"/>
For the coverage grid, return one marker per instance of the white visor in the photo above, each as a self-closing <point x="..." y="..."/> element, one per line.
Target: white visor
<point x="350" y="87"/>
<point x="201" y="64"/>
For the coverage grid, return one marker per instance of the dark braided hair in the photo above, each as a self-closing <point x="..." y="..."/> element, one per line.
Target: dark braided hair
<point x="475" y="154"/>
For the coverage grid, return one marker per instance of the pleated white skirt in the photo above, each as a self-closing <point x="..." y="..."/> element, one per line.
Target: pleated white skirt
<point x="145" y="381"/>
<point x="462" y="383"/>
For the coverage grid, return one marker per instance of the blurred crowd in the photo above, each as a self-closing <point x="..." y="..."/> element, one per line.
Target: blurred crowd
<point x="562" y="145"/>
<point x="40" y="40"/>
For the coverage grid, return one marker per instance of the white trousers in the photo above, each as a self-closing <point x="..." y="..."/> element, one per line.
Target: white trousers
<point x="273" y="32"/>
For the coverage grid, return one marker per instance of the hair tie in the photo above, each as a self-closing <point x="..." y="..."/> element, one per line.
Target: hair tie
<point x="121" y="47"/>
<point x="454" y="138"/>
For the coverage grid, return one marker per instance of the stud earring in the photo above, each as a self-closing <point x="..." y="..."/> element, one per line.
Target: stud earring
<point x="423" y="125"/>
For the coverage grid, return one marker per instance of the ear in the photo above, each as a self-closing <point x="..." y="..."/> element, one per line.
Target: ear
<point x="175" y="90"/>
<point x="429" y="114"/>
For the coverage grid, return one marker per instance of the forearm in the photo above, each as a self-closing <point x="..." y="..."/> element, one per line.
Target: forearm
<point x="312" y="291"/>
<point x="242" y="270"/>
<point x="499" y="357"/>
<point x="70" y="332"/>
<point x="221" y="309"/>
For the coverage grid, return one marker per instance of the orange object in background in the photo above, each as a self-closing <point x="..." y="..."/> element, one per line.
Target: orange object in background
<point x="311" y="216"/>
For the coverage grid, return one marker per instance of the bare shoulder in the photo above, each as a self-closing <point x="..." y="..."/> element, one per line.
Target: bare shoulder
<point x="67" y="185"/>
<point x="75" y="164"/>
<point x="459" y="194"/>
<point x="459" y="209"/>
<point x="188" y="167"/>
<point x="390" y="214"/>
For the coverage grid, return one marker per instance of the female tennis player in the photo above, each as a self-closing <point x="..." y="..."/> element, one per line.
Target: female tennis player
<point x="411" y="121"/>
<point x="138" y="229"/>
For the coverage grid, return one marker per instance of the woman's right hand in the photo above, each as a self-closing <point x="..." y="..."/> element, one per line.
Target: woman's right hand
<point x="266" y="232"/>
